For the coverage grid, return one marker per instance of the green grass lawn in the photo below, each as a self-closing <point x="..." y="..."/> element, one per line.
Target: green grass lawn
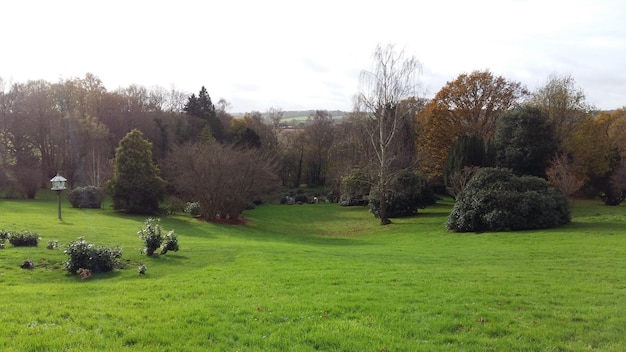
<point x="318" y="277"/>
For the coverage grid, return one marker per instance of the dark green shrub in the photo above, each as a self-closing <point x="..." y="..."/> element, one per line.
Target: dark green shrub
<point x="86" y="197"/>
<point x="497" y="200"/>
<point x="136" y="186"/>
<point x="86" y="256"/>
<point x="24" y="239"/>
<point x="355" y="187"/>
<point x="408" y="191"/>
<point x="301" y="197"/>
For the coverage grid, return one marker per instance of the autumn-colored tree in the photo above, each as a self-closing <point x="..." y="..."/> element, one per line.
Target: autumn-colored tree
<point x="596" y="155"/>
<point x="470" y="105"/>
<point x="562" y="175"/>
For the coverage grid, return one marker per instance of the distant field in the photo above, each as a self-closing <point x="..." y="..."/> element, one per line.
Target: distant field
<point x="318" y="277"/>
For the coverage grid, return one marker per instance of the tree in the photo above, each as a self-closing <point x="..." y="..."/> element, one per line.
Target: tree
<point x="562" y="175"/>
<point x="525" y="141"/>
<point x="467" y="151"/>
<point x="223" y="179"/>
<point x="407" y="191"/>
<point x="470" y="105"/>
<point x="563" y="103"/>
<point x="136" y="186"/>
<point x="275" y="115"/>
<point x="202" y="107"/>
<point x="319" y="136"/>
<point x="392" y="80"/>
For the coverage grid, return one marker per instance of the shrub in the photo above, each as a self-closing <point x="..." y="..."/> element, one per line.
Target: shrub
<point x="4" y="235"/>
<point x="497" y="200"/>
<point x="86" y="197"/>
<point x="408" y="191"/>
<point x="170" y="243"/>
<point x="52" y="244"/>
<point x="86" y="257"/>
<point x="152" y="235"/>
<point x="24" y="239"/>
<point x="193" y="209"/>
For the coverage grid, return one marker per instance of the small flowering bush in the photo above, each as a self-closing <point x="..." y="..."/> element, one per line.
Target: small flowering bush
<point x="24" y="239"/>
<point x="152" y="235"/>
<point x="170" y="242"/>
<point x="53" y="245"/>
<point x="193" y="208"/>
<point x="86" y="256"/>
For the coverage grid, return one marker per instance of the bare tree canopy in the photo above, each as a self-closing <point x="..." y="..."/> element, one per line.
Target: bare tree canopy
<point x="392" y="80"/>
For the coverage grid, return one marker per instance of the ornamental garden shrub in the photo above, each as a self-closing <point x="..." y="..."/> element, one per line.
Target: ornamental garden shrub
<point x="408" y="191"/>
<point x="87" y="257"/>
<point x="151" y="234"/>
<point x="24" y="239"/>
<point x="86" y="197"/>
<point x="497" y="200"/>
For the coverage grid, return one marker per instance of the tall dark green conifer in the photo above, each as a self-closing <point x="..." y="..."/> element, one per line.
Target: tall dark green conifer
<point x="136" y="186"/>
<point x="202" y="107"/>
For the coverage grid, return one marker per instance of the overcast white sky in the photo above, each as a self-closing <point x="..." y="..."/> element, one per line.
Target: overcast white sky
<point x="308" y="54"/>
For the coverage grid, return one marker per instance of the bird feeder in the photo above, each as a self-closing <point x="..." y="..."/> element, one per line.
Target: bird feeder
<point x="58" y="185"/>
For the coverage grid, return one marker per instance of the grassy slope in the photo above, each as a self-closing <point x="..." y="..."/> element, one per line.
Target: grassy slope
<point x="319" y="277"/>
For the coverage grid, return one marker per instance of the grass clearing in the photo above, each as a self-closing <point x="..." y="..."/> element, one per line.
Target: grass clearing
<point x="318" y="277"/>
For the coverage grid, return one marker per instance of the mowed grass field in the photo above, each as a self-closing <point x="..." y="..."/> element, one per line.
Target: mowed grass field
<point x="318" y="277"/>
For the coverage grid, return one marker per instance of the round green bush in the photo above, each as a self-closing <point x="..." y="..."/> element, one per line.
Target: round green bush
<point x="86" y="197"/>
<point x="407" y="192"/>
<point x="84" y="255"/>
<point x="497" y="200"/>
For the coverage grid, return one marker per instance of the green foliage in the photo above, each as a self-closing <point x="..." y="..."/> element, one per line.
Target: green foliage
<point x="408" y="191"/>
<point x="525" y="141"/>
<point x="355" y="186"/>
<point x="497" y="200"/>
<point x="151" y="234"/>
<point x="86" y="256"/>
<point x="203" y="108"/>
<point x="24" y="239"/>
<point x="468" y="151"/>
<point x="86" y="197"/>
<point x="136" y="186"/>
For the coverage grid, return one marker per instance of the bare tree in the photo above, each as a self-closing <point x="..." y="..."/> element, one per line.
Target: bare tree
<point x="392" y="80"/>
<point x="223" y="179"/>
<point x="275" y="115"/>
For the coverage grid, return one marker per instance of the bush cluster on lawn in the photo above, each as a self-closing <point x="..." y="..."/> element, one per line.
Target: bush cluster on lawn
<point x="86" y="197"/>
<point x="497" y="200"/>
<point x="84" y="256"/>
<point x="152" y="235"/>
<point x="22" y="239"/>
<point x="408" y="191"/>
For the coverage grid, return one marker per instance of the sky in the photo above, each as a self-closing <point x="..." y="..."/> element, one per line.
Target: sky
<point x="298" y="55"/>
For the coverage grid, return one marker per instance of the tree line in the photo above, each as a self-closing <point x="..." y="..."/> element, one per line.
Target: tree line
<point x="74" y="126"/>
